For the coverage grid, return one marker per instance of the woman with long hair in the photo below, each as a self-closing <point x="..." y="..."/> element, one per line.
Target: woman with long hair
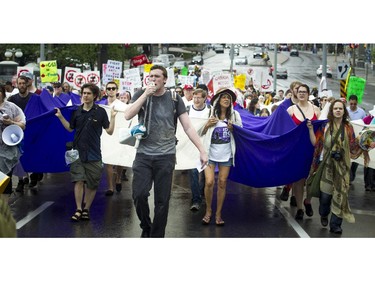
<point x="221" y="148"/>
<point x="299" y="112"/>
<point x="335" y="181"/>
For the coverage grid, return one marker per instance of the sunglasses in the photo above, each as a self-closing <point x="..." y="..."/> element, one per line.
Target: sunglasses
<point x="111" y="88"/>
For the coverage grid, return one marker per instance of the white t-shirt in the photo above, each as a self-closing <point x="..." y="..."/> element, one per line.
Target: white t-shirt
<point x="199" y="113"/>
<point x="220" y="148"/>
<point x="186" y="102"/>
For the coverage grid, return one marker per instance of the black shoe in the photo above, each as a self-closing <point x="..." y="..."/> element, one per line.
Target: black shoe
<point x="109" y="192"/>
<point x="336" y="230"/>
<point x="367" y="188"/>
<point x="33" y="183"/>
<point x="308" y="209"/>
<point x="324" y="221"/>
<point x="293" y="201"/>
<point x="299" y="215"/>
<point x="118" y="187"/>
<point x="123" y="176"/>
<point x="284" y="196"/>
<point x="40" y="176"/>
<point x="20" y="186"/>
<point x="145" y="234"/>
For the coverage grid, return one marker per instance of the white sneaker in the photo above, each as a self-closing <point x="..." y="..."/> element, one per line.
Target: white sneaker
<point x="195" y="207"/>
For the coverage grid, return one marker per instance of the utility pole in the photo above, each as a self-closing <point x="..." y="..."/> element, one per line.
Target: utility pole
<point x="275" y="69"/>
<point x="231" y="55"/>
<point x="42" y="56"/>
<point x="324" y="61"/>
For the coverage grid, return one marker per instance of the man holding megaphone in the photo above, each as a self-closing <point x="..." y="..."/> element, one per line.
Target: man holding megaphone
<point x="12" y="124"/>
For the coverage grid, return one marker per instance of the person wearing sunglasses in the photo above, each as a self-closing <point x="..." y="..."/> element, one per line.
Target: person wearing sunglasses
<point x="111" y="170"/>
<point x="179" y="91"/>
<point x="299" y="112"/>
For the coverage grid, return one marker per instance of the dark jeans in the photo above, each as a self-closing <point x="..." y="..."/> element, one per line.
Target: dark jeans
<point x="369" y="177"/>
<point x="353" y="171"/>
<point x="157" y="169"/>
<point x="325" y="201"/>
<point x="197" y="186"/>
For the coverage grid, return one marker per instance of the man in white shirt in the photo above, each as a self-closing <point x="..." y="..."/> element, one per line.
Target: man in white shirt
<point x="199" y="109"/>
<point x="188" y="95"/>
<point x="355" y="113"/>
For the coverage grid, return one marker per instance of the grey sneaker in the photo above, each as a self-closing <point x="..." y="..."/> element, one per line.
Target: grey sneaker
<point x="195" y="207"/>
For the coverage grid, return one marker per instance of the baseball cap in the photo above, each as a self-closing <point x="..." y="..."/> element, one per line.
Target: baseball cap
<point x="188" y="87"/>
<point x="27" y="74"/>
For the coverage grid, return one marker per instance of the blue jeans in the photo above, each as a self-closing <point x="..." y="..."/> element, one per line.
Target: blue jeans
<point x="197" y="186"/>
<point x="325" y="201"/>
<point x="157" y="169"/>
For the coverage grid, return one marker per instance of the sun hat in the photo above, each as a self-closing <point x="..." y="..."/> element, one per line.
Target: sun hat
<point x="223" y="91"/>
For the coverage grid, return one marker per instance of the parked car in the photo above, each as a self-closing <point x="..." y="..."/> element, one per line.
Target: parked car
<point x="198" y="59"/>
<point x="294" y="53"/>
<point x="282" y="73"/>
<point x="166" y="59"/>
<point x="258" y="53"/>
<point x="319" y="71"/>
<point x="240" y="61"/>
<point x="218" y="48"/>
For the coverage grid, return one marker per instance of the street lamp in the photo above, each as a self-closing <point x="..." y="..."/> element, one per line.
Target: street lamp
<point x="12" y="53"/>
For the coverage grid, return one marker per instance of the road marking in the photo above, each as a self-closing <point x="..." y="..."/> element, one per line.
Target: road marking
<point x="363" y="212"/>
<point x="33" y="214"/>
<point x="297" y="228"/>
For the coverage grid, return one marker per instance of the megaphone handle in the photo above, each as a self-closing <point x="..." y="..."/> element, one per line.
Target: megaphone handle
<point x="136" y="143"/>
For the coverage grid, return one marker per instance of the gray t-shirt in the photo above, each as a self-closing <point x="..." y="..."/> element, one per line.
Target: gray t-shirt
<point x="161" y="132"/>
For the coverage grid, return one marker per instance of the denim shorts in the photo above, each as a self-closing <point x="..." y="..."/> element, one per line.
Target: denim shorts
<point x="227" y="163"/>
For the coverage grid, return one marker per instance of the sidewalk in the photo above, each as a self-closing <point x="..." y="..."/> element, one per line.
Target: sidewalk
<point x="333" y="61"/>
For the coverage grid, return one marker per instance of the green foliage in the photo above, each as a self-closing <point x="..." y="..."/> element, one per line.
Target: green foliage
<point x="68" y="54"/>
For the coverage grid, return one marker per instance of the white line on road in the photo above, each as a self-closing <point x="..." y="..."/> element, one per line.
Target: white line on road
<point x="33" y="214"/>
<point x="297" y="228"/>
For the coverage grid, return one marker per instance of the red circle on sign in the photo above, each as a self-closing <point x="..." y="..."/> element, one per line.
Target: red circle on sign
<point x="79" y="80"/>
<point x="69" y="75"/>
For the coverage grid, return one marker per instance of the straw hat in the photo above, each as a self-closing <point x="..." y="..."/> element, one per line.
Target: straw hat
<point x="222" y="91"/>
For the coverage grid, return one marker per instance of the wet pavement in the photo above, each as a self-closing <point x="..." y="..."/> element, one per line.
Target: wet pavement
<point x="248" y="213"/>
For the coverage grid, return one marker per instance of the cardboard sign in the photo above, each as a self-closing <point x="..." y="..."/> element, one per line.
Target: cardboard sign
<point x="356" y="87"/>
<point x="48" y="71"/>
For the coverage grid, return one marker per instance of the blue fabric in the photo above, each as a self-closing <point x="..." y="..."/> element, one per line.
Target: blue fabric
<point x="270" y="151"/>
<point x="45" y="138"/>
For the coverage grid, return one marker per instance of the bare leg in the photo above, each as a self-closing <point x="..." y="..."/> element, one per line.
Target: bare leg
<point x="221" y="189"/>
<point x="109" y="171"/>
<point x="118" y="173"/>
<point x="78" y="194"/>
<point x="298" y="188"/>
<point x="209" y="173"/>
<point x="89" y="197"/>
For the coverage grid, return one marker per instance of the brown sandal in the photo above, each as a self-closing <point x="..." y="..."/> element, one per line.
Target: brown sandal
<point x="206" y="220"/>
<point x="219" y="222"/>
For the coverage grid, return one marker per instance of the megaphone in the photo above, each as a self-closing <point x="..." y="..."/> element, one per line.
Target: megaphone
<point x="4" y="179"/>
<point x="12" y="135"/>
